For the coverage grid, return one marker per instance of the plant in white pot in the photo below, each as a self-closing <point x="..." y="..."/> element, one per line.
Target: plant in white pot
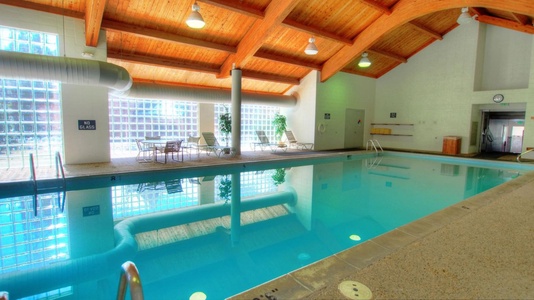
<point x="280" y="126"/>
<point x="225" y="126"/>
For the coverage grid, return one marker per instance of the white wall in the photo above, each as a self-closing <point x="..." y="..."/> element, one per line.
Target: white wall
<point x="300" y="117"/>
<point x="435" y="91"/>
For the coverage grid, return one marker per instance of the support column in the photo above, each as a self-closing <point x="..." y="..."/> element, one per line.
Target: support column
<point x="235" y="211"/>
<point x="236" y="110"/>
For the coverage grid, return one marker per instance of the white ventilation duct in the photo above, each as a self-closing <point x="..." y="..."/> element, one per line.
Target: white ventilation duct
<point x="171" y="92"/>
<point x="91" y="72"/>
<point x="64" y="69"/>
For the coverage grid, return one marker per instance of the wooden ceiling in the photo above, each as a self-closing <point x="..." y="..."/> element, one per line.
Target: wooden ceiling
<point x="266" y="38"/>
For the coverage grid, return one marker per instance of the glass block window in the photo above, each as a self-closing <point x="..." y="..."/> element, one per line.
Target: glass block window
<point x="30" y="111"/>
<point x="131" y="119"/>
<point x="253" y="117"/>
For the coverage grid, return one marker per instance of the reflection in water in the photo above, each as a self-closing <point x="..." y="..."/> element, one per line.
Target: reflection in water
<point x="216" y="235"/>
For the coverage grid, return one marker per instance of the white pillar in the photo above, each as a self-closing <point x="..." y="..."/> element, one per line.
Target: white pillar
<point x="236" y="110"/>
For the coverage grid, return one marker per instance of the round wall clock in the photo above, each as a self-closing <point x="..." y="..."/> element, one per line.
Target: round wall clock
<point x="498" y="98"/>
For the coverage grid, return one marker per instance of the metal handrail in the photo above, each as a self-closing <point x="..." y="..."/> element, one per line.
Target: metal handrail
<point x="34" y="179"/>
<point x="130" y="276"/>
<point x="59" y="167"/>
<point x="519" y="156"/>
<point x="374" y="143"/>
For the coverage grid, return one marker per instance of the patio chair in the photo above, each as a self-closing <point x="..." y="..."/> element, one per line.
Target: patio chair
<point x="292" y="141"/>
<point x="212" y="145"/>
<point x="145" y="152"/>
<point x="191" y="145"/>
<point x="170" y="147"/>
<point x="265" y="143"/>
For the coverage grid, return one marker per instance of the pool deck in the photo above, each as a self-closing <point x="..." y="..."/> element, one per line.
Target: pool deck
<point x="479" y="248"/>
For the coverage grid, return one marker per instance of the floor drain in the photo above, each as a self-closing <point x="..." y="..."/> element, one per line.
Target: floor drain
<point x="355" y="290"/>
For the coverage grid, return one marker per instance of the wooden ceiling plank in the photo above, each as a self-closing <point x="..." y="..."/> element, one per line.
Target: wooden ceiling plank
<point x="275" y="14"/>
<point x="161" y="62"/>
<point x="94" y="11"/>
<point x="44" y="8"/>
<point x="506" y="24"/>
<point x="426" y="30"/>
<point x="269" y="77"/>
<point x="405" y="11"/>
<point x="316" y="32"/>
<point x="377" y="6"/>
<point x="165" y="36"/>
<point x="287" y="60"/>
<point x="236" y="7"/>
<point x="389" y="55"/>
<point x="521" y="19"/>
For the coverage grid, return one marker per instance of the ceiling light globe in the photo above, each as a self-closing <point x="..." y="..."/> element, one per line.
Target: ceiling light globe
<point x="464" y="17"/>
<point x="195" y="19"/>
<point x="364" y="61"/>
<point x="311" y="49"/>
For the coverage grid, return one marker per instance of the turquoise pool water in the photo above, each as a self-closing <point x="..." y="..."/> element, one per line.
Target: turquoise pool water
<point x="219" y="231"/>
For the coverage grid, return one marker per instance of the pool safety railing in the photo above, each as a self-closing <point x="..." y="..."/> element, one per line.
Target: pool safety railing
<point x="34" y="180"/>
<point x="130" y="277"/>
<point x="519" y="156"/>
<point x="374" y="145"/>
<point x="61" y="196"/>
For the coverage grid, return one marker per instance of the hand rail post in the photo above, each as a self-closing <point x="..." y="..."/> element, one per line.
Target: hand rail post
<point x="130" y="276"/>
<point x="519" y="156"/>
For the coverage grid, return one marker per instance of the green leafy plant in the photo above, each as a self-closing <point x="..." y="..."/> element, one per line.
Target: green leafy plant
<point x="280" y="126"/>
<point x="279" y="176"/>
<point x="225" y="188"/>
<point x="225" y="125"/>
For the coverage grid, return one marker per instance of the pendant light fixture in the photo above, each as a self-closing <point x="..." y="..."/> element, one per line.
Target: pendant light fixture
<point x="195" y="20"/>
<point x="311" y="49"/>
<point x="364" y="61"/>
<point x="464" y="17"/>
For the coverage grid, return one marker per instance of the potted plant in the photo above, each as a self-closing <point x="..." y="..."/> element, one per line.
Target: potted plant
<point x="225" y="188"/>
<point x="225" y="126"/>
<point x="280" y="126"/>
<point x="279" y="176"/>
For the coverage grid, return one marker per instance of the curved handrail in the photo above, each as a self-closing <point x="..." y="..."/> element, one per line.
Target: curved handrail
<point x="519" y="156"/>
<point x="130" y="276"/>
<point x="34" y="179"/>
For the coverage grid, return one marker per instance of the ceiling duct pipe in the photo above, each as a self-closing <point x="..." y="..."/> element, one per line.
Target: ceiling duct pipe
<point x="17" y="65"/>
<point x="206" y="95"/>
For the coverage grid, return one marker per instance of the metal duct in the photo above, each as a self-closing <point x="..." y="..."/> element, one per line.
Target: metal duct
<point x="168" y="92"/>
<point x="65" y="69"/>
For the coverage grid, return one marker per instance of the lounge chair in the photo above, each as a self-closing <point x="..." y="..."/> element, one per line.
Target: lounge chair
<point x="170" y="147"/>
<point x="265" y="143"/>
<point x="212" y="145"/>
<point x="292" y="141"/>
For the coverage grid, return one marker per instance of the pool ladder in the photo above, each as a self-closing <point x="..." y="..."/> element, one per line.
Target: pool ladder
<point x="130" y="277"/>
<point x="374" y="144"/>
<point x="519" y="156"/>
<point x="59" y="167"/>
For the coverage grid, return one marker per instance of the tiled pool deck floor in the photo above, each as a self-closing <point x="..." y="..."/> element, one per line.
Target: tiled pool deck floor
<point x="481" y="248"/>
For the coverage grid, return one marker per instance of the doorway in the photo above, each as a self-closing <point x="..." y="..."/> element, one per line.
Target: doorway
<point x="502" y="131"/>
<point x="354" y="126"/>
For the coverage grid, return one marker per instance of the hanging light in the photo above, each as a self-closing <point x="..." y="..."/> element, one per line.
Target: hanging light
<point x="464" y="17"/>
<point x="311" y="49"/>
<point x="364" y="61"/>
<point x="195" y="20"/>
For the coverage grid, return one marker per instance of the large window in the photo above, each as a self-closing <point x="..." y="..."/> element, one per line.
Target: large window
<point x="132" y="119"/>
<point x="30" y="111"/>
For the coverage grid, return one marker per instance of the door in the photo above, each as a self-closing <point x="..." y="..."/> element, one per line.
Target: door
<point x="354" y="120"/>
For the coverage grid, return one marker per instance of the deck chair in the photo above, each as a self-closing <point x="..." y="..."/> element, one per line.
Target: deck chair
<point x="192" y="145"/>
<point x="145" y="152"/>
<point x="212" y="145"/>
<point x="170" y="147"/>
<point x="292" y="141"/>
<point x="265" y="143"/>
<point x="173" y="186"/>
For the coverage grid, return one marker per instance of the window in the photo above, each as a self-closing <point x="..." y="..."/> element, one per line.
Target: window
<point x="30" y="111"/>
<point x="131" y="119"/>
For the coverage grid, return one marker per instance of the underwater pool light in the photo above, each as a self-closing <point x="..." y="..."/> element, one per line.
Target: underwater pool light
<point x="355" y="237"/>
<point x="198" y="296"/>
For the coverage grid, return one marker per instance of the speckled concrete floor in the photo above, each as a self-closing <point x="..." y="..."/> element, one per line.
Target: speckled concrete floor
<point x="481" y="248"/>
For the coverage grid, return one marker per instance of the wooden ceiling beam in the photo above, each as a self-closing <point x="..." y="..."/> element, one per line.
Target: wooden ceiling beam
<point x="275" y="14"/>
<point x="287" y="60"/>
<point x="426" y="30"/>
<point x="44" y="8"/>
<point x="268" y="77"/>
<point x="317" y="32"/>
<point x="405" y="11"/>
<point x="94" y="11"/>
<point x="236" y="7"/>
<point x="377" y="6"/>
<point x="521" y="19"/>
<point x="506" y="24"/>
<point x="161" y="62"/>
<point x="388" y="55"/>
<point x="164" y="36"/>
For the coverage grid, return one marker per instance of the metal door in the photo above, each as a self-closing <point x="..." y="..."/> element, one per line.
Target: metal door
<point x="354" y="120"/>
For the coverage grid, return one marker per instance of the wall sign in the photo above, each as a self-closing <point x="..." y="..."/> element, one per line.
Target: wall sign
<point x="86" y="125"/>
<point x="393" y="115"/>
<point x="91" y="210"/>
<point x="327" y="116"/>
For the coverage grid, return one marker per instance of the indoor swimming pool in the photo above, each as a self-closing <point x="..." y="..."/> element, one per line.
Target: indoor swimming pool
<point x="216" y="232"/>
